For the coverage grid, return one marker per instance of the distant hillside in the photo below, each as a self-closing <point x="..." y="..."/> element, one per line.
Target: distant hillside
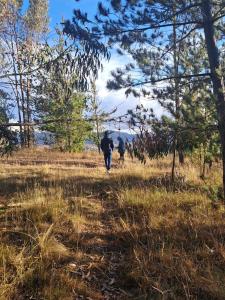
<point x="124" y="135"/>
<point x="46" y="138"/>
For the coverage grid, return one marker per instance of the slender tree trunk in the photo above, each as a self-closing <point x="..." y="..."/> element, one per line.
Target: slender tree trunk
<point x="173" y="163"/>
<point x="203" y="162"/>
<point x="213" y="55"/>
<point x="181" y="156"/>
<point x="95" y="106"/>
<point x="69" y="138"/>
<point x="200" y="161"/>
<point x="23" y="108"/>
<point x="27" y="111"/>
<point x="19" y="116"/>
<point x="16" y="92"/>
<point x="30" y="131"/>
<point x="98" y="134"/>
<point x="176" y="96"/>
<point x="21" y="85"/>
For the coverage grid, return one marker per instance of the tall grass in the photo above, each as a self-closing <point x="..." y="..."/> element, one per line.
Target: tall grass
<point x="32" y="244"/>
<point x="176" y="243"/>
<point x="67" y="220"/>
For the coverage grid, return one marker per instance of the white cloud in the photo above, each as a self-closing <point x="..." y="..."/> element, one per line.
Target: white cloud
<point x="111" y="99"/>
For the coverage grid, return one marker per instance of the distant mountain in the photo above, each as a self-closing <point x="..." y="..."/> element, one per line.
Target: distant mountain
<point x="46" y="138"/>
<point x="124" y="135"/>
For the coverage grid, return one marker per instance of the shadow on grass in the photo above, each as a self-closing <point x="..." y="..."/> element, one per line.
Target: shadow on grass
<point x="182" y="259"/>
<point x="81" y="185"/>
<point x="177" y="260"/>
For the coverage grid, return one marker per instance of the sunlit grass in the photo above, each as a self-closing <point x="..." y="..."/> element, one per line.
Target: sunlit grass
<point x="172" y="234"/>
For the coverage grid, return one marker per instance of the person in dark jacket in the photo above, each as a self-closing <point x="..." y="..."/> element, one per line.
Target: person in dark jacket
<point x="121" y="148"/>
<point x="107" y="147"/>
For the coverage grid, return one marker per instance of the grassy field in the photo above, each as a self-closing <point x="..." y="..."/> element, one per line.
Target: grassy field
<point x="69" y="231"/>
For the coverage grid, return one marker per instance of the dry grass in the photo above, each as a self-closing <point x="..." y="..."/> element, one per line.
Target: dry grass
<point x="74" y="232"/>
<point x="177" y="244"/>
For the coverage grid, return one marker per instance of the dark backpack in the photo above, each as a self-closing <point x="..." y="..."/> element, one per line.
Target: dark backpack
<point x="106" y="145"/>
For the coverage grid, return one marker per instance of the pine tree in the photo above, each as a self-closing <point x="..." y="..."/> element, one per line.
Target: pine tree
<point x="140" y="25"/>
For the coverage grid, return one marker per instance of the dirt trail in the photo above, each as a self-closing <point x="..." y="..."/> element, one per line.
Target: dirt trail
<point x="98" y="251"/>
<point x="104" y="254"/>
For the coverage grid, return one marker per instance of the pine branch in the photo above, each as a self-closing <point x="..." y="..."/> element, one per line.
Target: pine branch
<point x="219" y="17"/>
<point x="169" y="78"/>
<point x="160" y="26"/>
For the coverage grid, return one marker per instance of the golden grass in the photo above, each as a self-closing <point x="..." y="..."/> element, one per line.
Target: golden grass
<point x="176" y="239"/>
<point x="74" y="231"/>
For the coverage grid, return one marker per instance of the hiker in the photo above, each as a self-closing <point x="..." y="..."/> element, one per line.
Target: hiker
<point x="107" y="148"/>
<point x="121" y="149"/>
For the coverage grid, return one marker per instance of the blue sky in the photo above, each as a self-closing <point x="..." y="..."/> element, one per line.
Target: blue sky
<point x="63" y="9"/>
<point x="59" y="9"/>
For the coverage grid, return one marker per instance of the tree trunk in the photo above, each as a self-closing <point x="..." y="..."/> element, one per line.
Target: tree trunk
<point x="28" y="113"/>
<point x="16" y="92"/>
<point x="21" y="85"/>
<point x="181" y="156"/>
<point x="213" y="55"/>
<point x="69" y="138"/>
<point x="173" y="162"/>
<point x="176" y="95"/>
<point x="23" y="108"/>
<point x="95" y="106"/>
<point x="98" y="135"/>
<point x="203" y="162"/>
<point x="20" y="119"/>
<point x="30" y="129"/>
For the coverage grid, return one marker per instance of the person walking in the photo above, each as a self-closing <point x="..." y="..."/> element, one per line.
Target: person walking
<point x="107" y="147"/>
<point x="121" y="149"/>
